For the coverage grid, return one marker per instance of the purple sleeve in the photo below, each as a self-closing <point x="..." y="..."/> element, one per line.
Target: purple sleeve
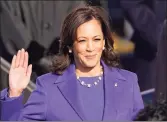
<point x="34" y="109"/>
<point x="9" y="106"/>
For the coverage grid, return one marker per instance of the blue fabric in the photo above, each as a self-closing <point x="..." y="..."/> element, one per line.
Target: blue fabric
<point x="93" y="96"/>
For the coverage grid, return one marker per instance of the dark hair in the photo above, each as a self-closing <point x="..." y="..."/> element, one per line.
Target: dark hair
<point x="76" y="18"/>
<point x="157" y="112"/>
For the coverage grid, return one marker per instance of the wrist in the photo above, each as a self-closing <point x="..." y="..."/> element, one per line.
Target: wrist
<point x="14" y="93"/>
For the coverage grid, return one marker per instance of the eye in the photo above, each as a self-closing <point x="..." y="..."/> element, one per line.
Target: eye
<point x="81" y="40"/>
<point x="97" y="39"/>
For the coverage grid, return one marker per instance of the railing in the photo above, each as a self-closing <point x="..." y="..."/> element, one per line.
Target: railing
<point x="148" y="91"/>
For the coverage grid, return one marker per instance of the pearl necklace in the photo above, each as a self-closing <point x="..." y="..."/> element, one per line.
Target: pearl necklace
<point x="88" y="84"/>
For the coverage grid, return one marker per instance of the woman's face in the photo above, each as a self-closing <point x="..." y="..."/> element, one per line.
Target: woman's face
<point x="89" y="44"/>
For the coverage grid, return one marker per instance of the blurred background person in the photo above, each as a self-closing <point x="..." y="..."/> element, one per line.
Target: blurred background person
<point x="35" y="26"/>
<point x="161" y="66"/>
<point x="146" y="17"/>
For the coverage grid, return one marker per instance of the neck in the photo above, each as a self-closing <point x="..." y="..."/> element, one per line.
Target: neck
<point x="88" y="71"/>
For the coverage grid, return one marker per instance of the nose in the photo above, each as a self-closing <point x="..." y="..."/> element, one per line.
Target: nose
<point x="90" y="46"/>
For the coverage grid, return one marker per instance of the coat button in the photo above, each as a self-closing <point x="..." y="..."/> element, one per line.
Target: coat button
<point x="47" y="26"/>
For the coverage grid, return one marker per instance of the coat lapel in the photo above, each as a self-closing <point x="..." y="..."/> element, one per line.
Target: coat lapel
<point x="111" y="80"/>
<point x="69" y="90"/>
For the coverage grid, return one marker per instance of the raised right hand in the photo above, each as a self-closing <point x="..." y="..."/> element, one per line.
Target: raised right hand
<point x="19" y="74"/>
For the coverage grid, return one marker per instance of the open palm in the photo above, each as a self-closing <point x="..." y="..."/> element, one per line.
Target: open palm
<point x="19" y="74"/>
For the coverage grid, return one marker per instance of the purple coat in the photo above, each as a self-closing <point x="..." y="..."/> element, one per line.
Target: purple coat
<point x="55" y="98"/>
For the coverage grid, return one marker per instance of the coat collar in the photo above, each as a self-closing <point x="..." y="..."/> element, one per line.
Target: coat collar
<point x="70" y="71"/>
<point x="68" y="88"/>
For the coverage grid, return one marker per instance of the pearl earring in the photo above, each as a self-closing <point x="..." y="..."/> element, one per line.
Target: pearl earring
<point x="103" y="48"/>
<point x="70" y="51"/>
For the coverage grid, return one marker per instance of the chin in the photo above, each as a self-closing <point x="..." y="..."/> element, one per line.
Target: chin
<point x="90" y="64"/>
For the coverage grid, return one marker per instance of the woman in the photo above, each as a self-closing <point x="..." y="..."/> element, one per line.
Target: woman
<point x="85" y="83"/>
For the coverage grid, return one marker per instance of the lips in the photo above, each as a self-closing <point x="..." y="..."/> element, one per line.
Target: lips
<point x="90" y="56"/>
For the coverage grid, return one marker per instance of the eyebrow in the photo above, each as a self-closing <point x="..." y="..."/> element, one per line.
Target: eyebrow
<point x="86" y="37"/>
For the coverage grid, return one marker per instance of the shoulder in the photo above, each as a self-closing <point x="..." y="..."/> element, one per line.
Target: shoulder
<point x="127" y="75"/>
<point x="130" y="78"/>
<point x="46" y="79"/>
<point x="48" y="76"/>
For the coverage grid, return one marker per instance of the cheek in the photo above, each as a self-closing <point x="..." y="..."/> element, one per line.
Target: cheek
<point x="79" y="48"/>
<point x="99" y="48"/>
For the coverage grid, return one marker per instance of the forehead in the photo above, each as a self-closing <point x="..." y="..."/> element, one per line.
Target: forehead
<point x="90" y="28"/>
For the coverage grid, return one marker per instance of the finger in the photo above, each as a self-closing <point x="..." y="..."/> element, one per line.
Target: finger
<point x="22" y="57"/>
<point x="13" y="64"/>
<point x="29" y="70"/>
<point x="25" y="60"/>
<point x="18" y="58"/>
